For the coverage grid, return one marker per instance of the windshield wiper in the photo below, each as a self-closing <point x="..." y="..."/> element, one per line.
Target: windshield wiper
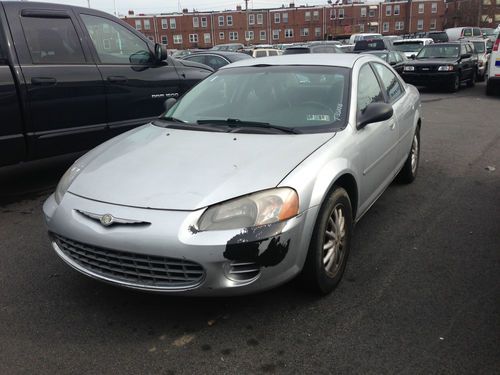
<point x="237" y="123"/>
<point x="175" y="123"/>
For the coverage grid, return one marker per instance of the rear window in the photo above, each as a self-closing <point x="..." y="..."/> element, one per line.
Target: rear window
<point x="467" y="32"/>
<point x="369" y="45"/>
<point x="293" y="51"/>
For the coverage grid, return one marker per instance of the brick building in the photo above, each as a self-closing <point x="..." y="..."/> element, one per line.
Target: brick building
<point x="482" y="13"/>
<point x="289" y="24"/>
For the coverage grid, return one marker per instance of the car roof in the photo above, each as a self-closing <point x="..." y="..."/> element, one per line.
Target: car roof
<point x="401" y="41"/>
<point x="216" y="52"/>
<point x="346" y="60"/>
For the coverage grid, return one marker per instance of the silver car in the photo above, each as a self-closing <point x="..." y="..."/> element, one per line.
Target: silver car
<point x="255" y="176"/>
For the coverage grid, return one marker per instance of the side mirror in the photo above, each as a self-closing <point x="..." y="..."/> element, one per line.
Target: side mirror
<point x="160" y="52"/>
<point x="392" y="62"/>
<point x="489" y="49"/>
<point x="413" y="56"/>
<point x="465" y="56"/>
<point x="374" y="112"/>
<point x="169" y="103"/>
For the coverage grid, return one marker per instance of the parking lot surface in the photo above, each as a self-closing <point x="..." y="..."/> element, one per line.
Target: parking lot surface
<point x="420" y="293"/>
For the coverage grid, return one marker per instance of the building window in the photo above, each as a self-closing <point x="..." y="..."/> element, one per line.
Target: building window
<point x="341" y="13"/>
<point x="277" y="18"/>
<point x="206" y="38"/>
<point x="173" y="23"/>
<point x="204" y="22"/>
<point x="177" y="39"/>
<point x="276" y="34"/>
<point x="396" y="10"/>
<point x="285" y="17"/>
<point x="333" y="14"/>
<point x="371" y="13"/>
<point x="260" y="19"/>
<point x="363" y="12"/>
<point x="400" y="25"/>
<point x="229" y="20"/>
<point x="164" y="40"/>
<point x="317" y="32"/>
<point x="385" y="27"/>
<point x="147" y="25"/>
<point x="288" y="33"/>
<point x="221" y="20"/>
<point x="421" y="7"/>
<point x="262" y="35"/>
<point x="221" y="35"/>
<point x="249" y="35"/>
<point x="193" y="38"/>
<point x="304" y="31"/>
<point x="164" y="23"/>
<point x="307" y="16"/>
<point x="233" y="35"/>
<point x="388" y="10"/>
<point x="316" y="15"/>
<point x="196" y="22"/>
<point x="434" y="7"/>
<point x="486" y="2"/>
<point x="251" y="19"/>
<point x="433" y="24"/>
<point x="420" y="24"/>
<point x="362" y="28"/>
<point x="138" y="25"/>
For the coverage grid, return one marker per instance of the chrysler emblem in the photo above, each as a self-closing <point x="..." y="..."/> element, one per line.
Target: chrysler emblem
<point x="107" y="220"/>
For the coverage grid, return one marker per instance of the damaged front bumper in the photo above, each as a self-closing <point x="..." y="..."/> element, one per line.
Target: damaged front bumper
<point x="161" y="251"/>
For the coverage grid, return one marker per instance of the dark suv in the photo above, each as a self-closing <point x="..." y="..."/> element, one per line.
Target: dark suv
<point x="447" y="64"/>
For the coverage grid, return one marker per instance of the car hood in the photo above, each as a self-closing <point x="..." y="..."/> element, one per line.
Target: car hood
<point x="163" y="168"/>
<point x="432" y="62"/>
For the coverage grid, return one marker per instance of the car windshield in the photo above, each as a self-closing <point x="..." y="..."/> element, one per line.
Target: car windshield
<point x="438" y="51"/>
<point x="408" y="46"/>
<point x="305" y="99"/>
<point x="479" y="47"/>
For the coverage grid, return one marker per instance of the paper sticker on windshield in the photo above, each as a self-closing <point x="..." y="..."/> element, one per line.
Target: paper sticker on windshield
<point x="317" y="117"/>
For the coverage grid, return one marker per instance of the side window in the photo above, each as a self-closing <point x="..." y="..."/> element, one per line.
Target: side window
<point x="463" y="50"/>
<point x="52" y="40"/>
<point x="392" y="86"/>
<point x="392" y="59"/>
<point x="469" y="49"/>
<point x="114" y="43"/>
<point x="197" y="58"/>
<point x="368" y="88"/>
<point x="260" y="53"/>
<point x="216" y="62"/>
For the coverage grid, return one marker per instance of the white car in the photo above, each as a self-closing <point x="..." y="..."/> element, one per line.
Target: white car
<point x="493" y="74"/>
<point x="410" y="47"/>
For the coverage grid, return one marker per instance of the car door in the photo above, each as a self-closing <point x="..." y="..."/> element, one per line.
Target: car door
<point x="466" y="62"/>
<point x="377" y="142"/>
<point x="62" y="86"/>
<point x="136" y="84"/>
<point x="404" y="111"/>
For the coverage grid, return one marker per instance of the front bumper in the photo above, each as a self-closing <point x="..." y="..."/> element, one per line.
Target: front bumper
<point x="232" y="262"/>
<point x="428" y="79"/>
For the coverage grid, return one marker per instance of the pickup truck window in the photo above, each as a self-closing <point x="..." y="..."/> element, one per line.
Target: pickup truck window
<point x="52" y="40"/>
<point x="114" y="43"/>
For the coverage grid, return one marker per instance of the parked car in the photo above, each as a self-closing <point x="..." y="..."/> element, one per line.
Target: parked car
<point x="457" y="33"/>
<point x="493" y="75"/>
<point x="410" y="47"/>
<point x="483" y="55"/>
<point x="396" y="59"/>
<point x="255" y="176"/>
<point x="437" y="36"/>
<point x="184" y="52"/>
<point x="312" y="48"/>
<point x="447" y="64"/>
<point x="363" y="36"/>
<point x="73" y="77"/>
<point x="231" y="47"/>
<point x="216" y="59"/>
<point x="372" y="45"/>
<point x="265" y="52"/>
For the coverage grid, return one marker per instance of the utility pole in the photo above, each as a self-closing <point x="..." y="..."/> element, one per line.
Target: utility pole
<point x="88" y="3"/>
<point x="246" y="5"/>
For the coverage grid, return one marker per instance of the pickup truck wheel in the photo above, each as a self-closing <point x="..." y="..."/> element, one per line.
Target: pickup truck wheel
<point x="472" y="81"/>
<point x="455" y="83"/>
<point x="409" y="171"/>
<point x="490" y="89"/>
<point x="329" y="247"/>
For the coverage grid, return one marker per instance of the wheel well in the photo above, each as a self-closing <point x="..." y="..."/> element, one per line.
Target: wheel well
<point x="348" y="182"/>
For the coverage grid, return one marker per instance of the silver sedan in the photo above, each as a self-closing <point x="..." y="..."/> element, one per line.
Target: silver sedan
<point x="254" y="177"/>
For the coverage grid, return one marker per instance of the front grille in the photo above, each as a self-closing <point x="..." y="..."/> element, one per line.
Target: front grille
<point x="132" y="268"/>
<point x="427" y="68"/>
<point x="243" y="271"/>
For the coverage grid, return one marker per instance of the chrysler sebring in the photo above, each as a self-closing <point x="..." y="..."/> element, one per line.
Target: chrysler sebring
<point x="257" y="175"/>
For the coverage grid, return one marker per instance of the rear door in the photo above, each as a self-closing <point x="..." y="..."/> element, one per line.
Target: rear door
<point x="63" y="87"/>
<point x="136" y="85"/>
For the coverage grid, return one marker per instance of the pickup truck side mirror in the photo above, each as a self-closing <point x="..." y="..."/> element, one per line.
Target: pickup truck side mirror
<point x="413" y="56"/>
<point x="374" y="112"/>
<point x="160" y="52"/>
<point x="465" y="56"/>
<point x="489" y="49"/>
<point x="169" y="103"/>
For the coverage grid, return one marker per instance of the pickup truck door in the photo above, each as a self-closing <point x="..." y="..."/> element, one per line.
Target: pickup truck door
<point x="63" y="89"/>
<point x="136" y="84"/>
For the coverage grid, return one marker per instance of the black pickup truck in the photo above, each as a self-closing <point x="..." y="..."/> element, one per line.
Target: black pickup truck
<point x="73" y="77"/>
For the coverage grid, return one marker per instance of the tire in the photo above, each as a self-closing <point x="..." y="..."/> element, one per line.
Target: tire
<point x="472" y="81"/>
<point x="490" y="89"/>
<point x="455" y="83"/>
<point x="410" y="168"/>
<point x="330" y="242"/>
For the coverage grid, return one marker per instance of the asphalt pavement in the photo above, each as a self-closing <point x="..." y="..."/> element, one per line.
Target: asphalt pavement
<point x="421" y="293"/>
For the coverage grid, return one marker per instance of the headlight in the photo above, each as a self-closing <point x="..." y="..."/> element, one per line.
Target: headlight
<point x="409" y="68"/>
<point x="264" y="207"/>
<point x="65" y="181"/>
<point x="445" y="68"/>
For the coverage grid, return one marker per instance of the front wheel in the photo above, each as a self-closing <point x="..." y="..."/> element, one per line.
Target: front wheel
<point x="455" y="83"/>
<point x="330" y="243"/>
<point x="409" y="171"/>
<point x="472" y="81"/>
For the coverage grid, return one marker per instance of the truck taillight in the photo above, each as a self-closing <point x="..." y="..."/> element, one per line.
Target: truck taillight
<point x="497" y="45"/>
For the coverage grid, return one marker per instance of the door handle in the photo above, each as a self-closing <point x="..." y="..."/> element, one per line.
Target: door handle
<point x="43" y="81"/>
<point x="117" y="79"/>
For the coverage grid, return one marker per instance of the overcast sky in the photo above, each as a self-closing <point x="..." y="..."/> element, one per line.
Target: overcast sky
<point x="164" y="6"/>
